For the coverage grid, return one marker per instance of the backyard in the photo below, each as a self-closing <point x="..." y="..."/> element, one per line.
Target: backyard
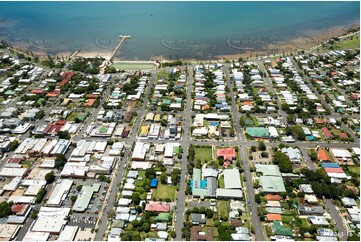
<point x="163" y="192"/>
<point x="203" y="153"/>
<point x="223" y="209"/>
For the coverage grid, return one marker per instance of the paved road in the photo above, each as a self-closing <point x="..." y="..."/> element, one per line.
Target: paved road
<point x="111" y="196"/>
<point x="307" y="159"/>
<point x="336" y="219"/>
<point x="178" y="225"/>
<point x="118" y="174"/>
<point x="255" y="220"/>
<point x="271" y="89"/>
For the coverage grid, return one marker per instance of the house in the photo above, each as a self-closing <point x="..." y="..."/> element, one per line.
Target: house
<point x="198" y="218"/>
<point x="294" y="154"/>
<point x="274" y="217"/>
<point x="198" y="235"/>
<point x="322" y="155"/>
<point x="327" y="133"/>
<point x="164" y="217"/>
<point x="271" y="180"/>
<point x="311" y="199"/>
<point x="227" y="154"/>
<point x="278" y="229"/>
<point x="306" y="188"/>
<point x="257" y="132"/>
<point x="348" y="202"/>
<point x="272" y="197"/>
<point x="203" y="188"/>
<point x="160" y="207"/>
<point x="240" y="237"/>
<point x="341" y="154"/>
<point x="302" y="209"/>
<point x="318" y="220"/>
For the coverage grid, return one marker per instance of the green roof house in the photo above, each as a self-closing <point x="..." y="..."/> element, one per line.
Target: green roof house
<point x="257" y="132"/>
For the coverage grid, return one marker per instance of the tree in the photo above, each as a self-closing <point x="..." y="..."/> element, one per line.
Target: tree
<point x="242" y="123"/>
<point x="13" y="145"/>
<point x="262" y="146"/>
<point x="175" y="176"/>
<point x="173" y="234"/>
<point x="146" y="227"/>
<point x="34" y="214"/>
<point x="313" y="155"/>
<point x="209" y="213"/>
<point x="74" y="198"/>
<point x="253" y="148"/>
<point x="63" y="134"/>
<point x="258" y="198"/>
<point x="264" y="154"/>
<point x="79" y="187"/>
<point x="40" y="195"/>
<point x="60" y="161"/>
<point x="283" y="161"/>
<point x="224" y="233"/>
<point x="150" y="173"/>
<point x="49" y="177"/>
<point x="5" y="209"/>
<point x="136" y="198"/>
<point x="104" y="178"/>
<point x="163" y="178"/>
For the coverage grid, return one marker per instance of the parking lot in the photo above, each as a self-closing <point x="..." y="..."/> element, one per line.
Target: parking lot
<point x="83" y="220"/>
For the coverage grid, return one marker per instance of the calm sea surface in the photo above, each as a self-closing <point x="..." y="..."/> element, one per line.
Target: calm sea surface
<point x="171" y="29"/>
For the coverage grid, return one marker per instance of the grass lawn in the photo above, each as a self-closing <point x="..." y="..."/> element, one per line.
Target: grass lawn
<point x="354" y="169"/>
<point x="72" y="116"/>
<point x="287" y="218"/>
<point x="215" y="230"/>
<point x="140" y="182"/>
<point x="350" y="44"/>
<point x="209" y="222"/>
<point x="329" y="156"/>
<point x="164" y="192"/>
<point x="223" y="208"/>
<point x="205" y="123"/>
<point x="71" y="105"/>
<point x="255" y="121"/>
<point x="221" y="182"/>
<point x="150" y="234"/>
<point x="203" y="153"/>
<point x="304" y="222"/>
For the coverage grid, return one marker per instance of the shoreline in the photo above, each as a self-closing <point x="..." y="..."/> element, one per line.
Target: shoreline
<point x="307" y="42"/>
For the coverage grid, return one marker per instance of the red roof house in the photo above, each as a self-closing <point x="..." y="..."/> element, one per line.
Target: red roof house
<point x="160" y="207"/>
<point x="54" y="127"/>
<point x="343" y="135"/>
<point x="327" y="133"/>
<point x="37" y="91"/>
<point x="270" y="197"/>
<point x="274" y="217"/>
<point x="322" y="155"/>
<point x="334" y="170"/>
<point x="228" y="154"/>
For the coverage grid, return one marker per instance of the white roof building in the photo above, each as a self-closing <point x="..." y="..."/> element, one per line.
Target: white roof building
<point x="273" y="132"/>
<point x="59" y="192"/>
<point x="51" y="220"/>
